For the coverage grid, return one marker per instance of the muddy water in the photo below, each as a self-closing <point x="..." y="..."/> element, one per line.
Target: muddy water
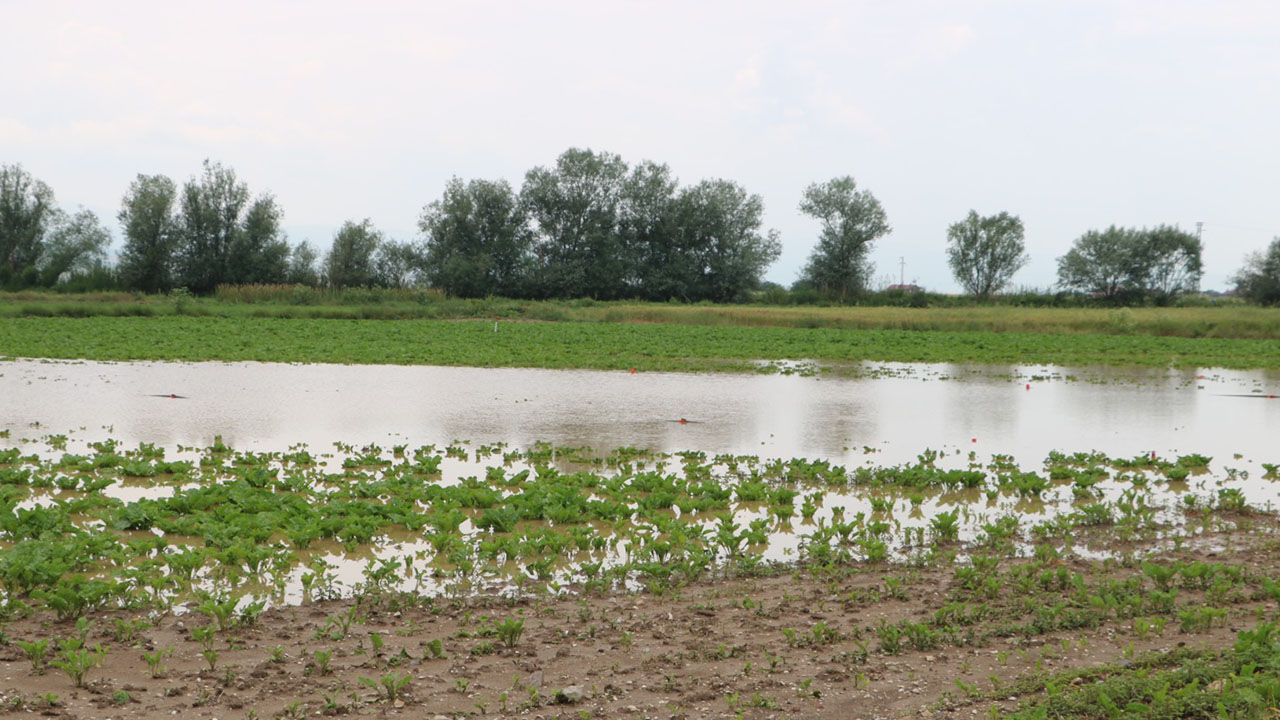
<point x="896" y="411"/>
<point x="899" y="410"/>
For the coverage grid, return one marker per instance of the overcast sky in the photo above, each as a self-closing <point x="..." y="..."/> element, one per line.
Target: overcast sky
<point x="1074" y="115"/>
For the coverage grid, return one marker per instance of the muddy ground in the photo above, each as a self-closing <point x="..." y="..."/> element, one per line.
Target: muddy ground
<point x="800" y="643"/>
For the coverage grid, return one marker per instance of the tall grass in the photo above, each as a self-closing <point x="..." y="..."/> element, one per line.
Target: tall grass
<point x="1229" y="320"/>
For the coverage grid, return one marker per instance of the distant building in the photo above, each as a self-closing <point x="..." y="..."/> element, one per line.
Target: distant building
<point x="905" y="288"/>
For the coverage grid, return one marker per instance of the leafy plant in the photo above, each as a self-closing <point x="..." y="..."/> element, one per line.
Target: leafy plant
<point x="76" y="660"/>
<point x="510" y="630"/>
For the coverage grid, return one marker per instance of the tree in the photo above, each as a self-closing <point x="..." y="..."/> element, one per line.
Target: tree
<point x="658" y="266"/>
<point x="478" y="240"/>
<point x="211" y="206"/>
<point x="1259" y="279"/>
<point x="851" y="220"/>
<point x="396" y="264"/>
<point x="719" y="230"/>
<point x="350" y="260"/>
<point x="985" y="252"/>
<point x="76" y="244"/>
<point x="150" y="234"/>
<point x="1102" y="263"/>
<point x="575" y="206"/>
<point x="27" y="210"/>
<point x="258" y="253"/>
<point x="1160" y="262"/>
<point x="1169" y="260"/>
<point x="225" y="238"/>
<point x="302" y="265"/>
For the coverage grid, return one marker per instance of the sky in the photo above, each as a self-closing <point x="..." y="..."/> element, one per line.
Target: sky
<point x="1072" y="115"/>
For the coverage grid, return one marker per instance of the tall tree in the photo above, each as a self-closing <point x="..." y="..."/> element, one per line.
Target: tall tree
<point x="259" y="253"/>
<point x="1259" y="279"/>
<point x="575" y="206"/>
<point x="1160" y="263"/>
<point x="852" y="220"/>
<point x="77" y="243"/>
<point x="720" y="228"/>
<point x="1169" y="259"/>
<point x="302" y="265"/>
<point x="478" y="240"/>
<point x="1102" y="263"/>
<point x="397" y="264"/>
<point x="150" y="234"/>
<point x="350" y="260"/>
<point x="211" y="208"/>
<point x="985" y="252"/>
<point x="658" y="266"/>
<point x="27" y="210"/>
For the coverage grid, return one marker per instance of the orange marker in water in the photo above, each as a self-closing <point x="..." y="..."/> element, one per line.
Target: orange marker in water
<point x="682" y="421"/>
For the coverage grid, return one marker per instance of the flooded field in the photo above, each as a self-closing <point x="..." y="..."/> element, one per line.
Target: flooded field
<point x="163" y="509"/>
<point x="898" y="409"/>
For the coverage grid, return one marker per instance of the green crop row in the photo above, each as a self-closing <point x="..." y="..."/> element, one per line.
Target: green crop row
<point x="606" y="346"/>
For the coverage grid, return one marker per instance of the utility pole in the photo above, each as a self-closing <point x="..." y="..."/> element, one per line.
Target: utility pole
<point x="902" y="271"/>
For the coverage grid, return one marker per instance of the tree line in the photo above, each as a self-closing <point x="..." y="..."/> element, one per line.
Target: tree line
<point x="589" y="225"/>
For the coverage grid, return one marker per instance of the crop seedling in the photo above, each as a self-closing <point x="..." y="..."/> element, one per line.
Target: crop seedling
<point x="389" y="686"/>
<point x="435" y="649"/>
<point x="76" y="660"/>
<point x="205" y="635"/>
<point x="322" y="658"/>
<point x="37" y="652"/>
<point x="155" y="661"/>
<point x="510" y="630"/>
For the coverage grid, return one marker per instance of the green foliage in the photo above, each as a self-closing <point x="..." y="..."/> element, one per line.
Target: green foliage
<point x="575" y="205"/>
<point x="76" y="660"/>
<point x="478" y="240"/>
<point x="1159" y="262"/>
<point x="350" y="262"/>
<point x="1259" y="278"/>
<point x="605" y="232"/>
<point x="147" y="262"/>
<point x="155" y="661"/>
<point x="852" y="220"/>
<point x="510" y="630"/>
<point x="388" y="687"/>
<point x="224" y="237"/>
<point x="27" y="211"/>
<point x="985" y="252"/>
<point x="37" y="652"/>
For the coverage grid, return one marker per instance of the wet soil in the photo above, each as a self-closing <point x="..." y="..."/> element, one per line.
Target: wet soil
<point x="796" y="643"/>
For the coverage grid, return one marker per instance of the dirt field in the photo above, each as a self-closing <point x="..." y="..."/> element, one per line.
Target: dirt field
<point x="801" y="643"/>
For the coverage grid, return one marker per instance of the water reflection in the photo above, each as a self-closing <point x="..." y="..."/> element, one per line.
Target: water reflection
<point x="902" y="410"/>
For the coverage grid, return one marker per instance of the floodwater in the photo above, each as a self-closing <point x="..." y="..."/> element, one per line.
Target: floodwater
<point x="887" y="414"/>
<point x="900" y="410"/>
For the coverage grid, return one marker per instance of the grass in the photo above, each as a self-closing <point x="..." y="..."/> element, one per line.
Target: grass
<point x="605" y="345"/>
<point x="1229" y="319"/>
